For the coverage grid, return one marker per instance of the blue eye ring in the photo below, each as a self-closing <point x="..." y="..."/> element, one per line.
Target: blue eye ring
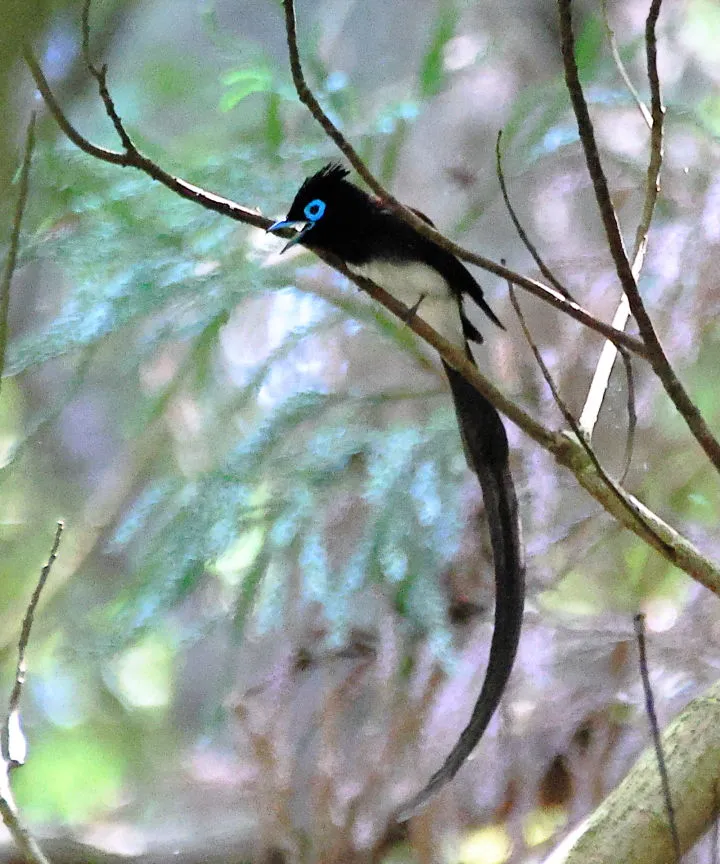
<point x="314" y="210"/>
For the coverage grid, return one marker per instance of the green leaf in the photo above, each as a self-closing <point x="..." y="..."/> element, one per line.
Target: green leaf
<point x="589" y="47"/>
<point x="274" y="131"/>
<point x="242" y="82"/>
<point x="432" y="73"/>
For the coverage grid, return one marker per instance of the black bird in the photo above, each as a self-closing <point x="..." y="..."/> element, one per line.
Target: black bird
<point x="336" y="217"/>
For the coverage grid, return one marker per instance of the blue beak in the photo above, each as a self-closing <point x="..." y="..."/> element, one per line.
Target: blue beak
<point x="291" y="223"/>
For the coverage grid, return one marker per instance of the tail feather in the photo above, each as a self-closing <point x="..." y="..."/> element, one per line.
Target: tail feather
<point x="486" y="449"/>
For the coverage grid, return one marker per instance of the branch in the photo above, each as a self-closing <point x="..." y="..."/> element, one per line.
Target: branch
<point x="13" y="749"/>
<point x="656" y="355"/>
<point x="601" y="378"/>
<point x="521" y="232"/>
<point x="11" y="261"/>
<point x="621" y="831"/>
<point x="612" y="42"/>
<point x="21" y="669"/>
<point x="550" y="276"/>
<point x="650" y="535"/>
<point x="133" y="158"/>
<point x="639" y="623"/>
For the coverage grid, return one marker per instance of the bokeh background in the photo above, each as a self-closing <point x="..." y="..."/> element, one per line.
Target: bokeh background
<point x="271" y="611"/>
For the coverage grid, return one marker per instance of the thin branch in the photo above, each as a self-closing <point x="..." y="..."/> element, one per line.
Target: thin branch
<point x="639" y="622"/>
<point x="550" y="276"/>
<point x="612" y="42"/>
<point x="135" y="159"/>
<point x="522" y="234"/>
<point x="28" y="622"/>
<point x="601" y="378"/>
<point x="8" y="809"/>
<point x="632" y="414"/>
<point x="650" y="535"/>
<point x="658" y="360"/>
<point x="24" y="840"/>
<point x="99" y="73"/>
<point x="11" y="262"/>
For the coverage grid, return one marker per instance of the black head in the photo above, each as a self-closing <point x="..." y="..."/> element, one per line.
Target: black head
<point x="324" y="209"/>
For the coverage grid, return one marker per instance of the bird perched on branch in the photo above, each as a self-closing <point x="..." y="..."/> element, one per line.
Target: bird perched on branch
<point x="334" y="216"/>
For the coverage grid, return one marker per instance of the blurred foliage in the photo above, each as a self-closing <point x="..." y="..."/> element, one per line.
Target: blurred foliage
<point x="261" y="475"/>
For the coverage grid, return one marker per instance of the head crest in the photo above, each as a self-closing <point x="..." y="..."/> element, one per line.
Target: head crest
<point x="333" y="172"/>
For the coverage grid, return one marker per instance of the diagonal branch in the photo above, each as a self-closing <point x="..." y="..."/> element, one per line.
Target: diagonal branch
<point x="521" y="232"/>
<point x="12" y="734"/>
<point x="11" y="262"/>
<point x="551" y="278"/>
<point x="133" y="158"/>
<point x="601" y="378"/>
<point x="650" y="535"/>
<point x="658" y="360"/>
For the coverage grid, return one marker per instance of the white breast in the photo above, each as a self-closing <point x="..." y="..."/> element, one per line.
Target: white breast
<point x="409" y="282"/>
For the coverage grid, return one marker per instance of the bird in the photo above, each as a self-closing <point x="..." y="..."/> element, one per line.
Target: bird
<point x="332" y="215"/>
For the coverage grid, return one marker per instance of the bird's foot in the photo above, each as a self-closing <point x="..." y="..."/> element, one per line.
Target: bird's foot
<point x="412" y="311"/>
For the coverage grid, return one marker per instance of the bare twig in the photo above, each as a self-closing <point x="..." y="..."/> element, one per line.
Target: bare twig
<point x="522" y="234"/>
<point x="28" y="622"/>
<point x="10" y="758"/>
<point x="659" y="361"/>
<point x="639" y="622"/>
<point x="650" y="536"/>
<point x="133" y="158"/>
<point x="11" y="262"/>
<point x="601" y="378"/>
<point x="550" y="276"/>
<point x="99" y="73"/>
<point x="632" y="414"/>
<point x="612" y="42"/>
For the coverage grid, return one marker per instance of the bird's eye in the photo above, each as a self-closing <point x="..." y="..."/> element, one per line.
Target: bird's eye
<point x="314" y="210"/>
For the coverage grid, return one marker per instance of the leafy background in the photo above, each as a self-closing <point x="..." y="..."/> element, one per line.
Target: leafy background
<point x="273" y="602"/>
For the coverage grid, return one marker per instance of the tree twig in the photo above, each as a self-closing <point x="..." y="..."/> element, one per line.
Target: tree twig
<point x="650" y="536"/>
<point x="622" y="71"/>
<point x="24" y="640"/>
<point x="658" y="360"/>
<point x="521" y="232"/>
<point x="12" y="734"/>
<point x="639" y="623"/>
<point x="601" y="378"/>
<point x="11" y="262"/>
